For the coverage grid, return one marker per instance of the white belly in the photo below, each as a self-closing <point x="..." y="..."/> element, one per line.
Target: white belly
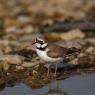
<point x="44" y="56"/>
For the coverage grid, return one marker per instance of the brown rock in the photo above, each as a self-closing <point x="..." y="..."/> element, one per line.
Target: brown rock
<point x="73" y="34"/>
<point x="74" y="61"/>
<point x="12" y="59"/>
<point x="87" y="60"/>
<point x="4" y="66"/>
<point x="52" y="36"/>
<point x="90" y="50"/>
<point x="92" y="40"/>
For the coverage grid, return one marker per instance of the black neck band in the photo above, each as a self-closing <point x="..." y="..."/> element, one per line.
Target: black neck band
<point x="40" y="48"/>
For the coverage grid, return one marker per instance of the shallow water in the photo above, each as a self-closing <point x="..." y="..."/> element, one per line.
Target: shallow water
<point x="83" y="84"/>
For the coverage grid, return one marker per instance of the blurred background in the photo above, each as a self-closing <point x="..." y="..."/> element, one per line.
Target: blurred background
<point x="69" y="23"/>
<point x="21" y="17"/>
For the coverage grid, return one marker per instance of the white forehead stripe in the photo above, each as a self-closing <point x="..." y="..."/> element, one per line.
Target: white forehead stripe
<point x="40" y="39"/>
<point x="38" y="45"/>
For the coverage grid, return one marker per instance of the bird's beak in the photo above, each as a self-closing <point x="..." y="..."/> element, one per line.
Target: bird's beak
<point x="33" y="43"/>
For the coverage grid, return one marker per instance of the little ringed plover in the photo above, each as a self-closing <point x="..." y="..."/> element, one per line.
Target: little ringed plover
<point x="52" y="52"/>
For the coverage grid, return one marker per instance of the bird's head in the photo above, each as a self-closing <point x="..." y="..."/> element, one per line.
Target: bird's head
<point x="40" y="43"/>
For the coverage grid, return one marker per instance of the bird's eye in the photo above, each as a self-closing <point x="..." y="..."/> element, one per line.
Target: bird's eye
<point x="41" y="42"/>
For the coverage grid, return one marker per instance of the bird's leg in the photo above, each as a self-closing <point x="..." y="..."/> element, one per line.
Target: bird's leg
<point x="48" y="73"/>
<point x="55" y="73"/>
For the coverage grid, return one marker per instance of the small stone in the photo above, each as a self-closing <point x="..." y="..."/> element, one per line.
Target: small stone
<point x="52" y="36"/>
<point x="73" y="34"/>
<point x="4" y="66"/>
<point x="74" y="61"/>
<point x="19" y="68"/>
<point x="1" y="53"/>
<point x="78" y="43"/>
<point x="92" y="40"/>
<point x="35" y="72"/>
<point x="23" y="19"/>
<point x="11" y="29"/>
<point x="29" y="64"/>
<point x="12" y="59"/>
<point x="81" y="55"/>
<point x="90" y="49"/>
<point x="28" y="29"/>
<point x="47" y="22"/>
<point x="87" y="60"/>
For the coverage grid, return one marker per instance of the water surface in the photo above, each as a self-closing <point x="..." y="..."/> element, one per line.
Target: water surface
<point x="83" y="84"/>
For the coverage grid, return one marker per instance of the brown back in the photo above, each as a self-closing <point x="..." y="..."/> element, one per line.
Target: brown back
<point x="55" y="51"/>
<point x="58" y="51"/>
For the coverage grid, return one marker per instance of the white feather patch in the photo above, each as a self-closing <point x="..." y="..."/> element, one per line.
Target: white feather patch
<point x="44" y="56"/>
<point x="44" y="45"/>
<point x="38" y="45"/>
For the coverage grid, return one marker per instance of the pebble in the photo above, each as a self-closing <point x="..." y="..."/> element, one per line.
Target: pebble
<point x="12" y="59"/>
<point x="78" y="43"/>
<point x="53" y="36"/>
<point x="90" y="49"/>
<point x="92" y="40"/>
<point x="73" y="34"/>
<point x="29" y="64"/>
<point x="28" y="29"/>
<point x="4" y="66"/>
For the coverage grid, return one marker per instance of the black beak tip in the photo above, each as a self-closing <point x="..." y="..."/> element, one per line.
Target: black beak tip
<point x="33" y="43"/>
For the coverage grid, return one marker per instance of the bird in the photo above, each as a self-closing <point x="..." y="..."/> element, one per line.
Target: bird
<point x="52" y="53"/>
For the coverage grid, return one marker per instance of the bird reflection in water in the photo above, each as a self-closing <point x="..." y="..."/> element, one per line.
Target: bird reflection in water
<point x="55" y="90"/>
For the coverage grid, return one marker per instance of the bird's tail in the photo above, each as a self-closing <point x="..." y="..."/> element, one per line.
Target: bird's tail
<point x="72" y="53"/>
<point x="73" y="50"/>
